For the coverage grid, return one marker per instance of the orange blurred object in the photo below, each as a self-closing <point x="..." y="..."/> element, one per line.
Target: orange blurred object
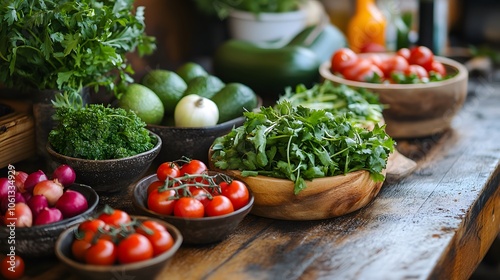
<point x="367" y="26"/>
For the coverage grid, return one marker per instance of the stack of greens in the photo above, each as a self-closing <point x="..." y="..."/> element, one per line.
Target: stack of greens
<point x="300" y="143"/>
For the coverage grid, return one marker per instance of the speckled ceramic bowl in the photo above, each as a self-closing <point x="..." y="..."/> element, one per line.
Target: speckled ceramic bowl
<point x="148" y="269"/>
<point x="39" y="241"/>
<point x="113" y="175"/>
<point x="194" y="230"/>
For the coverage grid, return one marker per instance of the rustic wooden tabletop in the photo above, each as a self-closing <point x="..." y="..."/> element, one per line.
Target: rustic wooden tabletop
<point x="436" y="223"/>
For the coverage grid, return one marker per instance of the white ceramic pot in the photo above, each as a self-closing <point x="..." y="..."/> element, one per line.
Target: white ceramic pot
<point x="265" y="26"/>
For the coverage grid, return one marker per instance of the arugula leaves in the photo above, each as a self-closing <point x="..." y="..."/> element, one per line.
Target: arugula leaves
<point x="67" y="44"/>
<point x="300" y="143"/>
<point x="98" y="132"/>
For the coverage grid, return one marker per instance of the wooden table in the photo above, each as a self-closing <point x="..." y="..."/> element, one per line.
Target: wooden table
<point x="436" y="223"/>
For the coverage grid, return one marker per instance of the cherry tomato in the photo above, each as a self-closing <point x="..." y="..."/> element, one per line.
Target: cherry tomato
<point x="372" y="47"/>
<point x="422" y="56"/>
<point x="193" y="167"/>
<point x="342" y="59"/>
<point x="375" y="59"/>
<point x="394" y="63"/>
<point x="404" y="52"/>
<point x="159" y="202"/>
<point x="189" y="207"/>
<point x="369" y="74"/>
<point x="352" y="72"/>
<point x="134" y="248"/>
<point x="155" y="185"/>
<point x="12" y="267"/>
<point x="439" y="68"/>
<point x="81" y="244"/>
<point x="92" y="225"/>
<point x="219" y="205"/>
<point x="160" y="238"/>
<point x="202" y="195"/>
<point x="237" y="192"/>
<point x="102" y="252"/>
<point x="167" y="169"/>
<point x="115" y="217"/>
<point x="417" y="70"/>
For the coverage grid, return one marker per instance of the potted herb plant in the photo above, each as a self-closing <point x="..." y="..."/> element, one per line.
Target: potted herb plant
<point x="259" y="20"/>
<point x="54" y="46"/>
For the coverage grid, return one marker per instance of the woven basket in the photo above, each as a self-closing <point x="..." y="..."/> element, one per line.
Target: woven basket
<point x="17" y="137"/>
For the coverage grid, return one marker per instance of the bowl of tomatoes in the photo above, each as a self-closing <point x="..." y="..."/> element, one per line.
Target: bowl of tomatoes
<point x="115" y="244"/>
<point x="422" y="92"/>
<point x="206" y="206"/>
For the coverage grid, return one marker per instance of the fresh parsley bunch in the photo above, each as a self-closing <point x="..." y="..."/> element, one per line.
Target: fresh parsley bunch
<point x="68" y="44"/>
<point x="300" y="143"/>
<point x="99" y="132"/>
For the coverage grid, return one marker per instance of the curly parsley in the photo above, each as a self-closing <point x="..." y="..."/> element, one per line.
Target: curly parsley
<point x="99" y="132"/>
<point x="300" y="143"/>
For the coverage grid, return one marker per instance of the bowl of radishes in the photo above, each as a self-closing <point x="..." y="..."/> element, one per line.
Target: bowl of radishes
<point x="35" y="208"/>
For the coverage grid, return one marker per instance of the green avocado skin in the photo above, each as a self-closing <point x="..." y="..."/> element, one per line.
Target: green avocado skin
<point x="268" y="71"/>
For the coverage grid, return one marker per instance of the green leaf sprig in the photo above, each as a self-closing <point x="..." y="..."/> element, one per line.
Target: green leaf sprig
<point x="299" y="143"/>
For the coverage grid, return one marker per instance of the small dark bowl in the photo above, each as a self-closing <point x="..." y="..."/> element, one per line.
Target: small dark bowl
<point x="112" y="175"/>
<point x="140" y="270"/>
<point x="192" y="142"/>
<point x="194" y="230"/>
<point x="39" y="241"/>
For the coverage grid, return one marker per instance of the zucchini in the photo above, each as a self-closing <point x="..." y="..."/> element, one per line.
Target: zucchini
<point x="269" y="70"/>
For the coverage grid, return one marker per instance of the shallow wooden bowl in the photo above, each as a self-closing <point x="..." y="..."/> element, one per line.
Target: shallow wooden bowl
<point x="416" y="110"/>
<point x="147" y="269"/>
<point x="322" y="198"/>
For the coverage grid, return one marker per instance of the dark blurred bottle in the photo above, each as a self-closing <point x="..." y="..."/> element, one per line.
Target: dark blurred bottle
<point x="432" y="25"/>
<point x="366" y="29"/>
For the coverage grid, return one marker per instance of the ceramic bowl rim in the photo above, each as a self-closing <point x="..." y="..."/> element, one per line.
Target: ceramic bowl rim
<point x="119" y="267"/>
<point x="141" y="205"/>
<point x="462" y="73"/>
<point x="155" y="148"/>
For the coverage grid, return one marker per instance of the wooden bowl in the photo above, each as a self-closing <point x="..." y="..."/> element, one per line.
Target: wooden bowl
<point x="323" y="198"/>
<point x="111" y="175"/>
<point x="39" y="241"/>
<point x="147" y="269"/>
<point x="194" y="230"/>
<point x="416" y="110"/>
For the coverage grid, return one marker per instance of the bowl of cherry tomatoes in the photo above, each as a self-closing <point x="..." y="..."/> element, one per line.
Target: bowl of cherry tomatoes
<point x="114" y="244"/>
<point x="204" y="205"/>
<point x="422" y="92"/>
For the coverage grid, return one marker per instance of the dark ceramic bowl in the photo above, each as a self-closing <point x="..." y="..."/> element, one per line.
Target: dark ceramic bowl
<point x="140" y="270"/>
<point x="194" y="230"/>
<point x="192" y="142"/>
<point x="39" y="241"/>
<point x="112" y="175"/>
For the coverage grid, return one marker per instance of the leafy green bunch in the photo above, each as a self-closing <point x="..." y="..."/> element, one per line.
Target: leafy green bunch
<point x="300" y="143"/>
<point x="99" y="132"/>
<point x="363" y="105"/>
<point x="68" y="44"/>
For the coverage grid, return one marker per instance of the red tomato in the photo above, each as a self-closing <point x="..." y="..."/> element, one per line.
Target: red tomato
<point x="219" y="205"/>
<point x="202" y="195"/>
<point x="12" y="267"/>
<point x="115" y="217"/>
<point x="417" y="70"/>
<point x="92" y="225"/>
<point x="193" y="167"/>
<point x="375" y="59"/>
<point x="160" y="238"/>
<point x="81" y="244"/>
<point x="102" y="252"/>
<point x="237" y="192"/>
<point x="189" y="207"/>
<point x="160" y="203"/>
<point x="404" y="52"/>
<point x="422" y="56"/>
<point x="342" y="59"/>
<point x="134" y="248"/>
<point x="155" y="185"/>
<point x="352" y="72"/>
<point x="167" y="169"/>
<point x="394" y="63"/>
<point x="368" y="74"/>
<point x="439" y="68"/>
<point x="372" y="47"/>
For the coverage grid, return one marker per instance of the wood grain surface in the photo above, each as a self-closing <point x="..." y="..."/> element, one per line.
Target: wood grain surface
<point x="435" y="223"/>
